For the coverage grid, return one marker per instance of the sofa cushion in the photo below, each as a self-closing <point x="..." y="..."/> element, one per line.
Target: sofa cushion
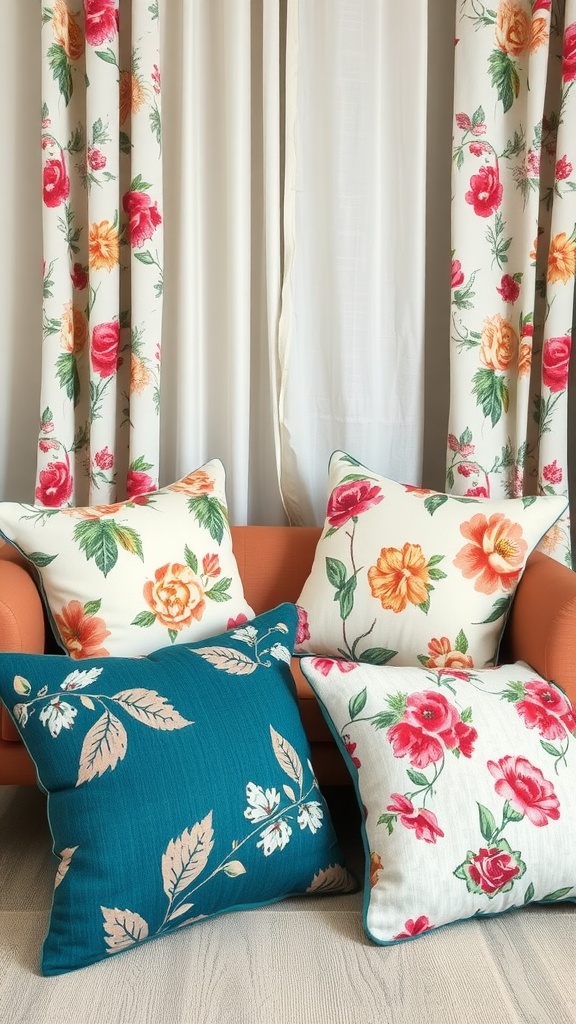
<point x="411" y="576"/>
<point x="128" y="578"/>
<point x="179" y="786"/>
<point x="467" y="782"/>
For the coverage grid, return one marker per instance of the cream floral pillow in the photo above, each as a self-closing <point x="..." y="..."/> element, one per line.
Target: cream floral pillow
<point x="467" y="785"/>
<point x="129" y="578"/>
<point x="412" y="576"/>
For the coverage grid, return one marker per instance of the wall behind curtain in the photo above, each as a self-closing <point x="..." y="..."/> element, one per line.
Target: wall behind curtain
<point x="20" y="281"/>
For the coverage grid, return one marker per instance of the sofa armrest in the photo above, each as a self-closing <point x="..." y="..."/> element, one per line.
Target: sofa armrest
<point x="542" y="625"/>
<point x="21" y="622"/>
<point x="21" y="612"/>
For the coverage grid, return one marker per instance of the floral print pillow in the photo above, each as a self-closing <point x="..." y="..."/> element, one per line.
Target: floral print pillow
<point x="467" y="781"/>
<point x="179" y="786"/>
<point x="129" y="578"/>
<point x="414" y="577"/>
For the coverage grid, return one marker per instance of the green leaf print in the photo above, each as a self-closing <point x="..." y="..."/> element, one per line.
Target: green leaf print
<point x="191" y="560"/>
<point x="346" y="598"/>
<point x="210" y="514"/>
<point x="97" y="541"/>
<point x="67" y="373"/>
<point x="92" y="607"/>
<point x="61" y="73"/>
<point x="487" y="822"/>
<point x="336" y="572"/>
<point x="144" y="619"/>
<point x="219" y="592"/>
<point x="499" y="608"/>
<point x="40" y="559"/>
<point x="357" y="704"/>
<point x="377" y="656"/>
<point x="491" y="393"/>
<point x="504" y="78"/>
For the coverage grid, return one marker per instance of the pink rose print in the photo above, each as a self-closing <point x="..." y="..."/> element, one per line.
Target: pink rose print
<point x="468" y="469"/>
<point x="477" y="492"/>
<point x="555" y="362"/>
<point x="104" y="348"/>
<point x="463" y="449"/>
<point x="55" y="182"/>
<point x="351" y="747"/>
<point x="509" y="288"/>
<point x="101" y="21"/>
<point x="303" y="628"/>
<point x="526" y="789"/>
<point x="79" y="277"/>
<point x="412" y="928"/>
<point x="144" y="217"/>
<point x="324" y="665"/>
<point x="457" y="275"/>
<point x="138" y="483"/>
<point x="351" y="499"/>
<point x="420" y="748"/>
<point x="424" y="823"/>
<point x="478" y="148"/>
<point x="155" y="76"/>
<point x="563" y="168"/>
<point x="104" y="458"/>
<point x="54" y="485"/>
<point x="238" y="621"/>
<point x="569" y="54"/>
<point x="96" y="159"/>
<point x="546" y="709"/>
<point x="493" y="869"/>
<point x="485" y="193"/>
<point x="552" y="473"/>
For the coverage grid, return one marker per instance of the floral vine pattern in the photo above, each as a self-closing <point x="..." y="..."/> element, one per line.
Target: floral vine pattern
<point x="106" y="741"/>
<point x="102" y="223"/>
<point x="185" y="864"/>
<point x="514" y="253"/>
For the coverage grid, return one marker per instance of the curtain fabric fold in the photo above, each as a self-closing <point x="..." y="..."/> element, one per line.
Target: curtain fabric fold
<point x="514" y="251"/>
<point x="103" y="252"/>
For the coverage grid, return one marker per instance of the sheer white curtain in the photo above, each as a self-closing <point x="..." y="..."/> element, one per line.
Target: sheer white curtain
<point x="352" y="327"/>
<point x="336" y="360"/>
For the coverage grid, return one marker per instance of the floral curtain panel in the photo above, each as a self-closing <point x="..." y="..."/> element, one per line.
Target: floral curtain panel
<point x="514" y="251"/>
<point x="102" y="232"/>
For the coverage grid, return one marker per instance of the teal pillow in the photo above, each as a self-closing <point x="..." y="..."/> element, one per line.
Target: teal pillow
<point x="179" y="786"/>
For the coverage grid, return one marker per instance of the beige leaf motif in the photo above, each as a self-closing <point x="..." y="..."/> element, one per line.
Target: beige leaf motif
<point x="22" y="686"/>
<point x="333" y="879"/>
<point x="179" y="911"/>
<point x="186" y="856"/>
<point x="87" y="702"/>
<point x="65" y="858"/>
<point x="286" y="756"/>
<point x="104" y="745"/>
<point x="151" y="709"/>
<point x="123" y="929"/>
<point x="229" y="660"/>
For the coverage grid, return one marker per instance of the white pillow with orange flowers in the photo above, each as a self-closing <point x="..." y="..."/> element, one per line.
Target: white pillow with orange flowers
<point x="411" y="576"/>
<point x="130" y="578"/>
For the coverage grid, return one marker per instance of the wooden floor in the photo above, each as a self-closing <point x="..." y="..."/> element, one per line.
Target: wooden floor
<point x="305" y="961"/>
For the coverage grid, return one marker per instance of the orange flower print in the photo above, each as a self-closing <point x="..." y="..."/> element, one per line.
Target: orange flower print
<point x="495" y="553"/>
<point x="195" y="484"/>
<point x="525" y="358"/>
<point x="175" y="596"/>
<point x="140" y="376"/>
<point x="443" y="654"/>
<point x="82" y="634"/>
<point x="103" y="246"/>
<point x="538" y="33"/>
<point x="561" y="259"/>
<point x="211" y="565"/>
<point x="67" y="32"/>
<point x="74" y="329"/>
<point x="499" y="343"/>
<point x="400" y="576"/>
<point x="376" y="867"/>
<point x="513" y="28"/>
<point x="131" y="95"/>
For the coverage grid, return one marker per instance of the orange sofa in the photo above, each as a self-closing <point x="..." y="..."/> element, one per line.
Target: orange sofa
<point x="274" y="562"/>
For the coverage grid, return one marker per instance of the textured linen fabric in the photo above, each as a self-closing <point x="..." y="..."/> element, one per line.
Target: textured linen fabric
<point x="467" y="786"/>
<point x="413" y="576"/>
<point x="129" y="578"/>
<point x="179" y="786"/>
